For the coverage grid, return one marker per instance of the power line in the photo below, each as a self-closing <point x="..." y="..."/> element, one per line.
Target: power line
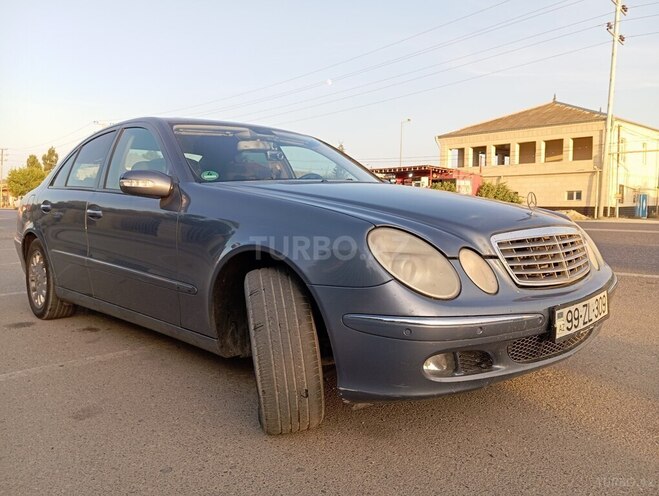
<point x="453" y="83"/>
<point x="370" y="83"/>
<point x="53" y="141"/>
<point x="643" y="34"/>
<point x="342" y="62"/>
<point x="417" y="78"/>
<point x="473" y="34"/>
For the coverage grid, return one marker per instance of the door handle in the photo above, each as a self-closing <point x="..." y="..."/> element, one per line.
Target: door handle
<point x="46" y="207"/>
<point x="94" y="213"/>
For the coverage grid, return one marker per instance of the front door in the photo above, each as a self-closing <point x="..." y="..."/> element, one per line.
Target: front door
<point x="132" y="240"/>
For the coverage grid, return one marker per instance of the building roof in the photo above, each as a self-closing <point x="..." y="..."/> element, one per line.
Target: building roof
<point x="406" y="168"/>
<point x="420" y="168"/>
<point x="550" y="114"/>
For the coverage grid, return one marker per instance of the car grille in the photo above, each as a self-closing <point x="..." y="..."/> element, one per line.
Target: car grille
<point x="473" y="362"/>
<point x="543" y="257"/>
<point x="541" y="347"/>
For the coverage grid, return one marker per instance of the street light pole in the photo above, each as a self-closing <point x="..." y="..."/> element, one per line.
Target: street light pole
<point x="400" y="156"/>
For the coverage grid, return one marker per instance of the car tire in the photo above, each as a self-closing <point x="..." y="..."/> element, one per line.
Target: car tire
<point x="40" y="285"/>
<point x="285" y="352"/>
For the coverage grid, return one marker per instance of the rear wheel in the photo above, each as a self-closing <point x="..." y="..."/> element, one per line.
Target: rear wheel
<point x="285" y="352"/>
<point x="40" y="285"/>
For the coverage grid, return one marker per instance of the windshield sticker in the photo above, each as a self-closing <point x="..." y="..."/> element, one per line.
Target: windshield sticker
<point x="209" y="175"/>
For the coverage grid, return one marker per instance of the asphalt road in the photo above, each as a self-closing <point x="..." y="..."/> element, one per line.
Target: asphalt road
<point x="92" y="405"/>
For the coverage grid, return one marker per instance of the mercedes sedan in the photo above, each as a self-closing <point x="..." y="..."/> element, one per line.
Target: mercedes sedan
<point x="250" y="241"/>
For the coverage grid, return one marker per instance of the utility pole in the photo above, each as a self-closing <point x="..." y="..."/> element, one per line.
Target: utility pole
<point x="3" y="152"/>
<point x="604" y="192"/>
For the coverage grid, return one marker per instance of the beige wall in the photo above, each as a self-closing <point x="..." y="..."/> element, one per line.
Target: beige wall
<point x="634" y="163"/>
<point x="552" y="180"/>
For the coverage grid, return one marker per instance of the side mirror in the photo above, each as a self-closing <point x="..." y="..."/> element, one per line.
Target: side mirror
<point x="152" y="184"/>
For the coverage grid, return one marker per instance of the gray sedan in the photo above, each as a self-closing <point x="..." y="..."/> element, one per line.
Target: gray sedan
<point x="250" y="241"/>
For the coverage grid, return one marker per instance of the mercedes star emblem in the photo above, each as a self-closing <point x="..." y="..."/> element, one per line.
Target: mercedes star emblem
<point x="531" y="201"/>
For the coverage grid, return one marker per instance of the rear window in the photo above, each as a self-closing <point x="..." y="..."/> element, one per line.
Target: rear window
<point x="89" y="161"/>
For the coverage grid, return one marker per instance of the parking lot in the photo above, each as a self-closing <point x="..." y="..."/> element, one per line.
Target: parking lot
<point x="93" y="405"/>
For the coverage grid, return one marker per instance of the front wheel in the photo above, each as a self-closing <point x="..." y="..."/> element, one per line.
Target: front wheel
<point x="40" y="285"/>
<point x="285" y="352"/>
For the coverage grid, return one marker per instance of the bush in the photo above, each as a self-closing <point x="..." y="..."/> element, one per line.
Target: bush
<point x="499" y="191"/>
<point x="444" y="186"/>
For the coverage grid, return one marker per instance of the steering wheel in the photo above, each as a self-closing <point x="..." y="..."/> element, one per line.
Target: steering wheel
<point x="311" y="175"/>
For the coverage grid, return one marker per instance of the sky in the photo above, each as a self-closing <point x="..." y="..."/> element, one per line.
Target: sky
<point x="348" y="72"/>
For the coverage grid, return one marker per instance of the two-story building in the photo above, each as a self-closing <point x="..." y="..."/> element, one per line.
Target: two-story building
<point x="556" y="151"/>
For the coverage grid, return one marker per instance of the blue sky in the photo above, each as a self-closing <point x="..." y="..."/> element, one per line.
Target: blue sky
<point x="338" y="70"/>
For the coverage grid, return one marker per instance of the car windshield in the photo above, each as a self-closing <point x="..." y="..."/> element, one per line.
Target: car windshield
<point x="217" y="153"/>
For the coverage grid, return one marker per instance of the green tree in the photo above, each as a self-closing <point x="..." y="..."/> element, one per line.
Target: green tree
<point x="20" y="181"/>
<point x="499" y="191"/>
<point x="444" y="186"/>
<point x="33" y="162"/>
<point x="49" y="159"/>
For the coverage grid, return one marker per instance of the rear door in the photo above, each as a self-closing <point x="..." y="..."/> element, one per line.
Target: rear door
<point x="132" y="240"/>
<point x="63" y="213"/>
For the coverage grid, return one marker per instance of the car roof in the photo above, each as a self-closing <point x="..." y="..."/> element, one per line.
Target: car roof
<point x="173" y="121"/>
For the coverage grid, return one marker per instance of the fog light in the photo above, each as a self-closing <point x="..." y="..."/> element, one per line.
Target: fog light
<point x="442" y="365"/>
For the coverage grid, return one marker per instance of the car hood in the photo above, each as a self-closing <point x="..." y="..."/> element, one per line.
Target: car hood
<point x="449" y="220"/>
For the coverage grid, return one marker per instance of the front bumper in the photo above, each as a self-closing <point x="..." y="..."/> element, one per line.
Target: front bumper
<point x="380" y="357"/>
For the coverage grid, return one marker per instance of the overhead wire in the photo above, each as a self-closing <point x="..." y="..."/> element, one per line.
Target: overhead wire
<point x="452" y="83"/>
<point x="406" y="73"/>
<point x="480" y="32"/>
<point x="472" y="14"/>
<point x="418" y="78"/>
<point x="315" y="71"/>
<point x="342" y="62"/>
<point x="473" y="34"/>
<point x="55" y="141"/>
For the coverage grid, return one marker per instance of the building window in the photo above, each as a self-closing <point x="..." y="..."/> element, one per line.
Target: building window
<point x="527" y="152"/>
<point x="554" y="150"/>
<point x="582" y="148"/>
<point x="457" y="157"/>
<point x="574" y="195"/>
<point x="478" y="156"/>
<point x="502" y="154"/>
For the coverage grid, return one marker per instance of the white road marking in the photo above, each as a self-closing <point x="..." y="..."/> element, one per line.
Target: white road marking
<point x="13" y="294"/>
<point x="632" y="274"/>
<point x="642" y="231"/>
<point x="11" y="263"/>
<point x="19" y="374"/>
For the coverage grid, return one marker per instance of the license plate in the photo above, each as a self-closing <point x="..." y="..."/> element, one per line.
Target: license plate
<point x="579" y="316"/>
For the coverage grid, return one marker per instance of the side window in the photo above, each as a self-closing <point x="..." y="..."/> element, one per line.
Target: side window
<point x="89" y="162"/>
<point x="60" y="179"/>
<point x="305" y="161"/>
<point x="137" y="149"/>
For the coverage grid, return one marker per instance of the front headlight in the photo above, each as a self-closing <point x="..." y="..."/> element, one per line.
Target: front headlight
<point x="593" y="253"/>
<point x="479" y="271"/>
<point x="414" y="262"/>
